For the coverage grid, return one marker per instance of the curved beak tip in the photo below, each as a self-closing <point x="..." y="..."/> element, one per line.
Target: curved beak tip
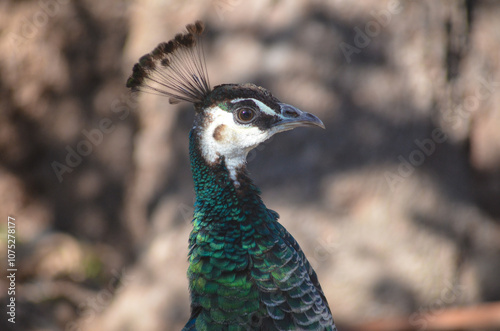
<point x="313" y="121"/>
<point x="321" y="124"/>
<point x="293" y="117"/>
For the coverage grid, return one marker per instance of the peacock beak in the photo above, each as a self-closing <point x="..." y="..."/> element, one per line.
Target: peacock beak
<point x="292" y="118"/>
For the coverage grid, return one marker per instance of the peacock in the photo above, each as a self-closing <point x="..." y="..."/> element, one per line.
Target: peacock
<point x="246" y="271"/>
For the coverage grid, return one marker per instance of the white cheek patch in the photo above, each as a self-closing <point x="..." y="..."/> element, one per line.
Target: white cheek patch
<point x="223" y="137"/>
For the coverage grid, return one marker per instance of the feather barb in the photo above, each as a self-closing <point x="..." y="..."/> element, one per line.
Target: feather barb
<point x="175" y="69"/>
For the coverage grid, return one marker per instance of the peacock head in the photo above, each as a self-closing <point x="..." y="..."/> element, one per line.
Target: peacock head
<point x="231" y="119"/>
<point x="235" y="118"/>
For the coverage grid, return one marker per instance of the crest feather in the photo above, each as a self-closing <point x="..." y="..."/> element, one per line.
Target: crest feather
<point x="175" y="69"/>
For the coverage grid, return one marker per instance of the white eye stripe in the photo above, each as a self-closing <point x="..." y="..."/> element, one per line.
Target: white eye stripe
<point x="262" y="106"/>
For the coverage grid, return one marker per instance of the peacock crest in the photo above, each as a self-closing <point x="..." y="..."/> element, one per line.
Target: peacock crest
<point x="175" y="69"/>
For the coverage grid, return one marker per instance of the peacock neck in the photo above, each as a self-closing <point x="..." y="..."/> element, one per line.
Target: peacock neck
<point x="232" y="230"/>
<point x="217" y="190"/>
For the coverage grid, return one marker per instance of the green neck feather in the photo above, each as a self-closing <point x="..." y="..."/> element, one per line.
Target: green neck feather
<point x="231" y="226"/>
<point x="213" y="185"/>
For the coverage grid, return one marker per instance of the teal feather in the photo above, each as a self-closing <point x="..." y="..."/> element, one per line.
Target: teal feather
<point x="246" y="271"/>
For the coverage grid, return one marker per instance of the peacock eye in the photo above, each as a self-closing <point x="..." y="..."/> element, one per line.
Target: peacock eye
<point x="245" y="115"/>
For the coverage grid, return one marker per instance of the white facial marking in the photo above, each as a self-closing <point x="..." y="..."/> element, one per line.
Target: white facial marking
<point x="232" y="140"/>
<point x="263" y="107"/>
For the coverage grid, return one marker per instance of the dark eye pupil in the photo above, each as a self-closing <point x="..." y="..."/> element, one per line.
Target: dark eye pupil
<point x="245" y="114"/>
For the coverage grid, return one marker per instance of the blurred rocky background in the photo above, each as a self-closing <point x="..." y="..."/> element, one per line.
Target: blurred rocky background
<point x="397" y="203"/>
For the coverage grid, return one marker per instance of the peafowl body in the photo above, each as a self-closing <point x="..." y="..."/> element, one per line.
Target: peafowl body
<point x="246" y="272"/>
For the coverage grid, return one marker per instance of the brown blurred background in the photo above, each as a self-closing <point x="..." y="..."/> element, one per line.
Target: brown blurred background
<point x="396" y="204"/>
